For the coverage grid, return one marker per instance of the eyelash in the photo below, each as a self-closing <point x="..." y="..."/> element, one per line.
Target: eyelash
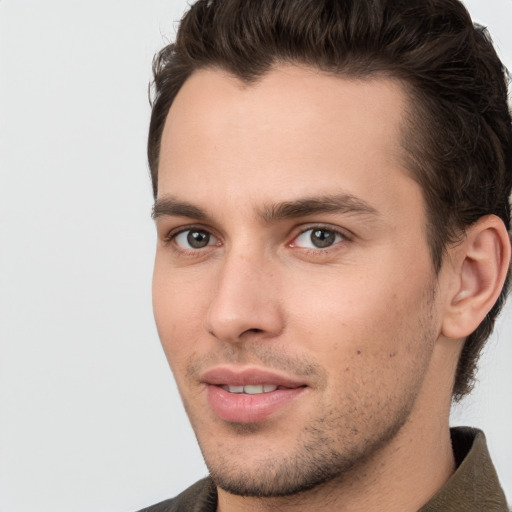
<point x="345" y="237"/>
<point x="170" y="238"/>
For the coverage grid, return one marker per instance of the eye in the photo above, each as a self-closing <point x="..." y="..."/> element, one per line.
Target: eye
<point x="194" y="239"/>
<point x="318" y="238"/>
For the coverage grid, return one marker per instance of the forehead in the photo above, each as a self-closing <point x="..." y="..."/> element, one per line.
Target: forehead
<point x="294" y="129"/>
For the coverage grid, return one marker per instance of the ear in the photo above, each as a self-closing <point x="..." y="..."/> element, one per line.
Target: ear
<point x="479" y="265"/>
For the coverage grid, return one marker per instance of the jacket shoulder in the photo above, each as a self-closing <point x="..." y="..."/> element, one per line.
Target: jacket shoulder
<point x="200" y="497"/>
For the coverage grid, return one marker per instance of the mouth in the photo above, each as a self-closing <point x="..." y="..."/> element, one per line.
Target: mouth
<point x="252" y="389"/>
<point x="250" y="395"/>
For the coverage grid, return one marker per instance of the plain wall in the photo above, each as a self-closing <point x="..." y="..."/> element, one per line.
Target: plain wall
<point x="90" y="420"/>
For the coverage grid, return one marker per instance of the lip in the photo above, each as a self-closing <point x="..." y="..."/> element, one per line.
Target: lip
<point x="245" y="408"/>
<point x="246" y="377"/>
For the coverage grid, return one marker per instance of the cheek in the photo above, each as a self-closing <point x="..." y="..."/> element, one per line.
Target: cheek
<point x="176" y="307"/>
<point x="347" y="312"/>
<point x="373" y="342"/>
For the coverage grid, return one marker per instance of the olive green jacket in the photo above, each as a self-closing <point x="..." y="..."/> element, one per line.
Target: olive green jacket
<point x="474" y="487"/>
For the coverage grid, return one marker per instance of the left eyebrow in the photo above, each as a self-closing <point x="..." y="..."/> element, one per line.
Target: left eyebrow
<point x="340" y="203"/>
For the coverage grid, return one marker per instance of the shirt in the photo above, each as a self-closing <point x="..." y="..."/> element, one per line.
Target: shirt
<point x="473" y="487"/>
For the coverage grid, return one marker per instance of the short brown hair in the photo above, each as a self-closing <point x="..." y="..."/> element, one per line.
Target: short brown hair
<point x="458" y="133"/>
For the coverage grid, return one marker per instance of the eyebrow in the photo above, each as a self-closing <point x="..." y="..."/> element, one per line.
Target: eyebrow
<point x="340" y="203"/>
<point x="169" y="206"/>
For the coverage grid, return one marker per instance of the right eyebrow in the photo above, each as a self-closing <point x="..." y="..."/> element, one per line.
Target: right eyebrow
<point x="169" y="206"/>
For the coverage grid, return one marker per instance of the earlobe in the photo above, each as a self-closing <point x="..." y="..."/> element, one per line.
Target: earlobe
<point x="480" y="264"/>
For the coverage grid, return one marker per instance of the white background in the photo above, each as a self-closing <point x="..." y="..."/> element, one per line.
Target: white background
<point x="90" y="420"/>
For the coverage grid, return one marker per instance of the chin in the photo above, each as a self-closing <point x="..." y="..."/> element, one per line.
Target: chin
<point x="317" y="458"/>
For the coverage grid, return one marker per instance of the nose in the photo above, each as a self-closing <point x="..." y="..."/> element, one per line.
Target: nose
<point x="245" y="301"/>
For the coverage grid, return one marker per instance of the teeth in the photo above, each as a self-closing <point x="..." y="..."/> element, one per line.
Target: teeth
<point x="252" y="389"/>
<point x="233" y="389"/>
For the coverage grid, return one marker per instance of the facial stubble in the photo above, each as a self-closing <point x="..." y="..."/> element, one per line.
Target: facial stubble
<point x="336" y="445"/>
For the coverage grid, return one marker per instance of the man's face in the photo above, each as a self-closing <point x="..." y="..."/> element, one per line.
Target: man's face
<point x="293" y="289"/>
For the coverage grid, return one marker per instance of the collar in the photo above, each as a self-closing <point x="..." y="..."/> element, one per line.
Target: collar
<point x="474" y="487"/>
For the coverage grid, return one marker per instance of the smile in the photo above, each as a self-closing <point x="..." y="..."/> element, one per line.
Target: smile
<point x="249" y="395"/>
<point x="252" y="389"/>
<point x="251" y="403"/>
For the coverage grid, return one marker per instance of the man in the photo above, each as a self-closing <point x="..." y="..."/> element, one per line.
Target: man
<point x="332" y="183"/>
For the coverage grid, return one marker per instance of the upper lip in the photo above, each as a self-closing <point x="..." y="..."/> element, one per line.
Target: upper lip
<point x="220" y="376"/>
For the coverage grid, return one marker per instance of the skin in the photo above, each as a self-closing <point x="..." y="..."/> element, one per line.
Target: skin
<point x="360" y="323"/>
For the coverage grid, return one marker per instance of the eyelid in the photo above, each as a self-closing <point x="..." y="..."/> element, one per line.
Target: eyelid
<point x="172" y="232"/>
<point x="171" y="235"/>
<point x="344" y="233"/>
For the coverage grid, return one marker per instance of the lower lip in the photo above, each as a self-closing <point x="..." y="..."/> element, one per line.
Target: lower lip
<point x="242" y="408"/>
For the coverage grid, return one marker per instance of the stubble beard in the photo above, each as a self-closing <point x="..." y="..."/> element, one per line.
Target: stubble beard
<point x="336" y="446"/>
<point x="327" y="450"/>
